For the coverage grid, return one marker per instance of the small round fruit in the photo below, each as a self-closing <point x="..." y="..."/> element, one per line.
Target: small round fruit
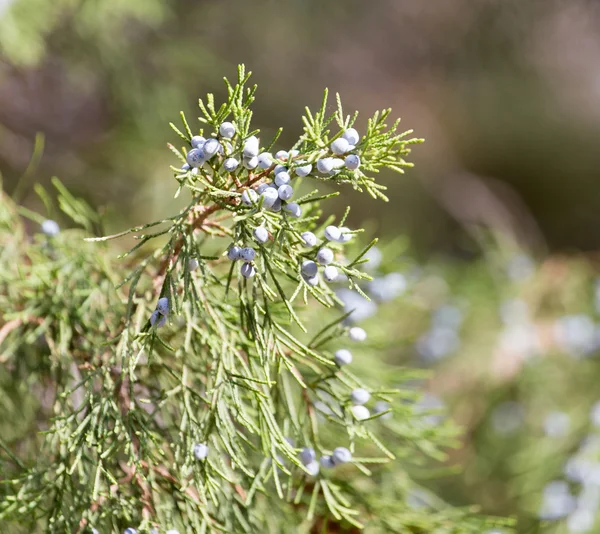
<point x="330" y="273"/>
<point x="325" y="165"/>
<point x="249" y="197"/>
<point x="285" y="192"/>
<point x="352" y="162"/>
<point x="210" y="148"/>
<point x="341" y="455"/>
<point x="200" y="451"/>
<point x="360" y="396"/>
<point x="250" y="163"/>
<point x="269" y="196"/>
<point x="248" y="270"/>
<point x="50" y="228"/>
<point x="251" y="147"/>
<point x="326" y="462"/>
<point x="340" y="146"/>
<point x="303" y="170"/>
<point x="230" y="164"/>
<point x="193" y="264"/>
<point x="195" y="157"/>
<point x="356" y="333"/>
<point x="163" y="306"/>
<point x="332" y="233"/>
<point x="325" y="256"/>
<point x="227" y="129"/>
<point x="307" y="455"/>
<point x="265" y="160"/>
<point x="313" y="468"/>
<point x="234" y="253"/>
<point x="293" y="209"/>
<point x="343" y="357"/>
<point x="351" y="135"/>
<point x="247" y="254"/>
<point x="309" y="268"/>
<point x="282" y="178"/>
<point x="309" y="239"/>
<point x="197" y="141"/>
<point x="261" y="234"/>
<point x="360" y="412"/>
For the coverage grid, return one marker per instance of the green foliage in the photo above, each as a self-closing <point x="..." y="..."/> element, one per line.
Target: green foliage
<point x="103" y="407"/>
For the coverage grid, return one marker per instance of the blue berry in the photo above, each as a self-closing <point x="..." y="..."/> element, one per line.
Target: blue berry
<point x="311" y="280"/>
<point x="341" y="455"/>
<point x="309" y="268"/>
<point x="195" y="157"/>
<point x="357" y="334"/>
<point x="293" y="209"/>
<point x="193" y="264"/>
<point x="227" y="129"/>
<point x="313" y="468"/>
<point x="247" y="254"/>
<point x="163" y="306"/>
<point x="251" y="147"/>
<point x="230" y="164"/>
<point x="332" y="233"/>
<point x="343" y="357"/>
<point x="309" y="239"/>
<point x="326" y="462"/>
<point x="337" y="164"/>
<point x="50" y="228"/>
<point x="248" y="270"/>
<point x="197" y="141"/>
<point x="262" y="188"/>
<point x="345" y="234"/>
<point x="269" y="196"/>
<point x="185" y="167"/>
<point x="282" y="155"/>
<point x="158" y="320"/>
<point x="282" y="178"/>
<point x="351" y="135"/>
<point x="360" y="412"/>
<point x="325" y="256"/>
<point x="200" y="451"/>
<point x="330" y="273"/>
<point x="340" y="146"/>
<point x="360" y="396"/>
<point x="265" y="160"/>
<point x="279" y="168"/>
<point x="251" y="163"/>
<point x="303" y="170"/>
<point x="285" y="192"/>
<point x="234" y="253"/>
<point x="382" y="406"/>
<point x="249" y="197"/>
<point x="210" y="148"/>
<point x="325" y="165"/>
<point x="352" y="162"/>
<point x="294" y="153"/>
<point x="307" y="455"/>
<point x="130" y="531"/>
<point x="261" y="234"/>
<point x="276" y="205"/>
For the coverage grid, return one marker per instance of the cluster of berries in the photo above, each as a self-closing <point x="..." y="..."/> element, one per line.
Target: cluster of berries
<point x="342" y="146"/>
<point x="324" y="256"/>
<point x="160" y="314"/>
<point x="247" y="254"/>
<point x="308" y="457"/>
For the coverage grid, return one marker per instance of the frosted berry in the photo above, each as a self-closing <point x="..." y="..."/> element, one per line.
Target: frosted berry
<point x="326" y="462"/>
<point x="250" y="163"/>
<point x="269" y="196"/>
<point x="234" y="253"/>
<point x="251" y="147"/>
<point x="192" y="264"/>
<point x="230" y="164"/>
<point x="325" y="165"/>
<point x="360" y="396"/>
<point x="158" y="320"/>
<point x="343" y="357"/>
<point x="261" y="234"/>
<point x="309" y="239"/>
<point x="247" y="254"/>
<point x="185" y="167"/>
<point x="352" y="162"/>
<point x="380" y="407"/>
<point x="293" y="154"/>
<point x="330" y="273"/>
<point x="282" y="155"/>
<point x="279" y="168"/>
<point x="130" y="531"/>
<point x="307" y="455"/>
<point x="313" y="468"/>
<point x="282" y="178"/>
<point x="351" y="135"/>
<point x="276" y="205"/>
<point x="195" y="157"/>
<point x="345" y="234"/>
<point x="303" y="170"/>
<point x="360" y="412"/>
<point x="336" y="163"/>
<point x="248" y="270"/>
<point x="332" y="233"/>
<point x="312" y="281"/>
<point x="197" y="141"/>
<point x="340" y="146"/>
<point x="262" y="188"/>
<point x="325" y="256"/>
<point x="285" y="192"/>
<point x="163" y="306"/>
<point x="210" y="148"/>
<point x="293" y="209"/>
<point x="356" y="333"/>
<point x="309" y="268"/>
<point x="265" y="160"/>
<point x="227" y="129"/>
<point x="249" y="197"/>
<point x="200" y="451"/>
<point x="341" y="455"/>
<point x="50" y="228"/>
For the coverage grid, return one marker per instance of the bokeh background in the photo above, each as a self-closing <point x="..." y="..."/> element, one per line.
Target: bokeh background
<point x="493" y="236"/>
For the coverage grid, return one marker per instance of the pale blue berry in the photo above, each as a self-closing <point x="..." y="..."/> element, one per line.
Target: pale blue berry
<point x="325" y="256"/>
<point x="340" y="146"/>
<point x="312" y="281"/>
<point x="163" y="306"/>
<point x="193" y="264"/>
<point x="130" y="531"/>
<point x="293" y="209"/>
<point x="230" y="164"/>
<point x="309" y="239"/>
<point x="262" y="188"/>
<point x="251" y="147"/>
<point x="265" y="160"/>
<point x="337" y="164"/>
<point x="251" y="163"/>
<point x="282" y="178"/>
<point x="380" y="407"/>
<point x="325" y="165"/>
<point x="360" y="396"/>
<point x="249" y="197"/>
<point x="341" y="455"/>
<point x="356" y="333"/>
<point x="185" y="167"/>
<point x="50" y="228"/>
<point x="200" y="451"/>
<point x="332" y="233"/>
<point x="248" y="270"/>
<point x="360" y="412"/>
<point x="282" y="155"/>
<point x="279" y="168"/>
<point x="269" y="196"/>
<point x="326" y="462"/>
<point x="276" y="205"/>
<point x="352" y="162"/>
<point x="285" y="192"/>
<point x="195" y="157"/>
<point x="330" y="273"/>
<point x="313" y="468"/>
<point x="227" y="129"/>
<point x="309" y="268"/>
<point x="345" y="234"/>
<point x="247" y="254"/>
<point x="158" y="320"/>
<point x="197" y="141"/>
<point x="261" y="234"/>
<point x="234" y="253"/>
<point x="210" y="148"/>
<point x="351" y="135"/>
<point x="226" y="148"/>
<point x="343" y="357"/>
<point x="307" y="455"/>
<point x="303" y="170"/>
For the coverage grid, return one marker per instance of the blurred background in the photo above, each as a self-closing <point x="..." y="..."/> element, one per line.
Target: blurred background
<point x="493" y="237"/>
